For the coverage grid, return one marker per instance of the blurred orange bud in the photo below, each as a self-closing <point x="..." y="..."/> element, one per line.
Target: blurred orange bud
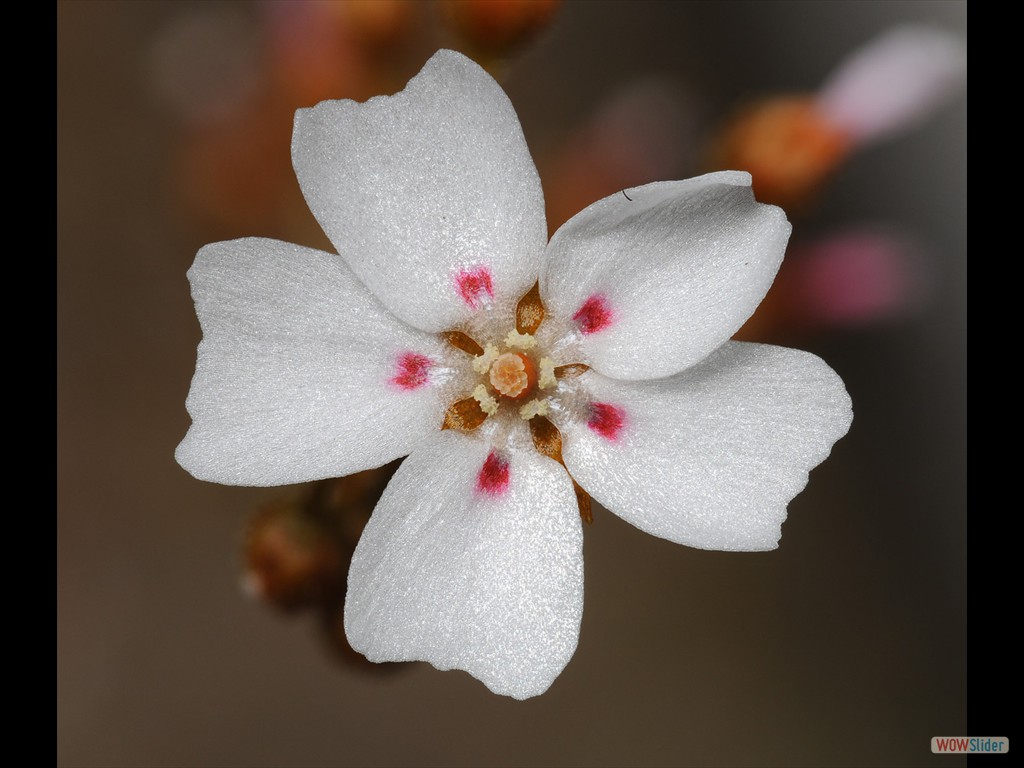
<point x="230" y="178"/>
<point x="378" y="22"/>
<point x="291" y="561"/>
<point x="297" y="551"/>
<point x="791" y="145"/>
<point x="495" y="28"/>
<point x="787" y="145"/>
<point x="331" y="50"/>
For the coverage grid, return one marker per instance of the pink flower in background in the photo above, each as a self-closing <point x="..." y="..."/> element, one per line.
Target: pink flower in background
<point x="893" y="82"/>
<point x="792" y="144"/>
<point x="513" y="372"/>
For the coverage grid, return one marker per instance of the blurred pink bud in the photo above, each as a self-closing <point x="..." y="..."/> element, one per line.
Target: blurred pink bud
<point x="893" y="82"/>
<point x="856" y="278"/>
<point x="650" y="109"/>
<point x="604" y="155"/>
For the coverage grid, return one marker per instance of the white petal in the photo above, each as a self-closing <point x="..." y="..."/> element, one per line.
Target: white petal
<point x="481" y="576"/>
<point x="302" y="374"/>
<point x="429" y="194"/>
<point x="660" y="278"/>
<point x="894" y="81"/>
<point x="710" y="458"/>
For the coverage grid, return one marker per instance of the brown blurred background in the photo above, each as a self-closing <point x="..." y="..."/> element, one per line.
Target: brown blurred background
<point x="844" y="647"/>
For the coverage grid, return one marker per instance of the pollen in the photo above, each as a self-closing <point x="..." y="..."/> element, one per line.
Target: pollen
<point x="547" y="373"/>
<point x="534" y="408"/>
<point x="519" y="340"/>
<point x="482" y="363"/>
<point x="514" y="375"/>
<point x="487" y="403"/>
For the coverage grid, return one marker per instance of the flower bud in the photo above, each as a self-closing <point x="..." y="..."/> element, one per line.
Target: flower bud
<point x="492" y="29"/>
<point x="291" y="561"/>
<point x="788" y="147"/>
<point x="297" y="552"/>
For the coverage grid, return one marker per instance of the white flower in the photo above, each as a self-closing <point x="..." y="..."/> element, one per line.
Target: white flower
<point x="315" y="366"/>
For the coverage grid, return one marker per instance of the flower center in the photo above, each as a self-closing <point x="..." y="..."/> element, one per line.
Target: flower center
<point x="505" y="390"/>
<point x="513" y="375"/>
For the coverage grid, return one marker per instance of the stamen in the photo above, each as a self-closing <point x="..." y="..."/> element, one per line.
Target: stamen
<point x="548" y="441"/>
<point x="462" y="341"/>
<point x="530" y="311"/>
<point x="534" y="408"/>
<point x="465" y="415"/>
<point x="520" y="340"/>
<point x="487" y="403"/>
<point x="547" y="373"/>
<point x="483" y="361"/>
<point x="546" y="438"/>
<point x="571" y="371"/>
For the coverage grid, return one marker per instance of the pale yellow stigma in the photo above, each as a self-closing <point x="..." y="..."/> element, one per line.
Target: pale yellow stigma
<point x="513" y="374"/>
<point x="482" y="363"/>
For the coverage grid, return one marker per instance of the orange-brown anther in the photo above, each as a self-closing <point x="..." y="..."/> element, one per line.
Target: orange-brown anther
<point x="463" y="341"/>
<point x="530" y="311"/>
<point x="514" y="375"/>
<point x="571" y="370"/>
<point x="465" y="415"/>
<point x="548" y="441"/>
<point x="546" y="438"/>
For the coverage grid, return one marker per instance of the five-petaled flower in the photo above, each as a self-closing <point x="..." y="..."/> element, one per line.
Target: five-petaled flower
<point x="518" y="375"/>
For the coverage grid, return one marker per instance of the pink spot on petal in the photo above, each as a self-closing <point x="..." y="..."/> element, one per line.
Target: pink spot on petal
<point x="493" y="477"/>
<point x="413" y="370"/>
<point x="607" y="420"/>
<point x="475" y="286"/>
<point x="595" y="314"/>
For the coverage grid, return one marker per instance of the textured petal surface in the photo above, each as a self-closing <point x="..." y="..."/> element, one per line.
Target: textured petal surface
<point x="430" y="195"/>
<point x="658" y="281"/>
<point x="474" y="561"/>
<point x="894" y="81"/>
<point x="710" y="458"/>
<point x="302" y="374"/>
